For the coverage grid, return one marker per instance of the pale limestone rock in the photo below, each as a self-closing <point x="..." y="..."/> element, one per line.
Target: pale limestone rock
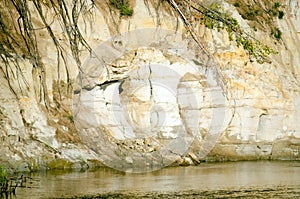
<point x="155" y="97"/>
<point x="262" y="102"/>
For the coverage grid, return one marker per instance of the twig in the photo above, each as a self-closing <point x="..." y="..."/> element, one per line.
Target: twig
<point x="189" y="26"/>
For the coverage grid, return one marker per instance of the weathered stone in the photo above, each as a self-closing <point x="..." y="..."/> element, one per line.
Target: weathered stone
<point x="155" y="74"/>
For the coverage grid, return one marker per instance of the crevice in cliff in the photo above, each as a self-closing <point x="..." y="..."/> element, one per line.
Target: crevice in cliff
<point x="105" y="84"/>
<point x="151" y="97"/>
<point x="146" y="2"/>
<point x="150" y="82"/>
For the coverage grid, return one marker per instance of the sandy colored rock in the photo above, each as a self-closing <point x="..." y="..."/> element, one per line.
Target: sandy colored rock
<point x="255" y="107"/>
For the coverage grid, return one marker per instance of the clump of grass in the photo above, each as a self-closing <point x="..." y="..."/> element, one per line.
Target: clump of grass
<point x="123" y="6"/>
<point x="277" y="33"/>
<point x="274" y="11"/>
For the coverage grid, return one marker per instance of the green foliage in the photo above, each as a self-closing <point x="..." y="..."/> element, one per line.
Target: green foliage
<point x="71" y="118"/>
<point x="262" y="16"/>
<point x="277" y="33"/>
<point x="274" y="11"/>
<point x="126" y="11"/>
<point x="280" y="14"/>
<point x="3" y="177"/>
<point x="220" y="20"/>
<point x="276" y="5"/>
<point x="216" y="18"/>
<point x="47" y="4"/>
<point x="252" y="13"/>
<point x="236" y="4"/>
<point x="123" y="6"/>
<point x="277" y="11"/>
<point x="254" y="48"/>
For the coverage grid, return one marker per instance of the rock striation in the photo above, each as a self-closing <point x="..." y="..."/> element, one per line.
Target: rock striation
<point x="138" y="92"/>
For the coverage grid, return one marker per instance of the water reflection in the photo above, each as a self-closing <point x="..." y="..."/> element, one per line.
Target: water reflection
<point x="207" y="176"/>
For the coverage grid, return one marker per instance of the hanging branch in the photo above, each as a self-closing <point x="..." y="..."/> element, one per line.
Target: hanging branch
<point x="12" y="47"/>
<point x="189" y="26"/>
<point x="59" y="48"/>
<point x="69" y="22"/>
<point x="75" y="17"/>
<point x="10" y="58"/>
<point x="22" y="44"/>
<point x="35" y="55"/>
<point x="6" y="74"/>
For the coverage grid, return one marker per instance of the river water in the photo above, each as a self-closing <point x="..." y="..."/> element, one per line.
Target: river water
<point x="254" y="179"/>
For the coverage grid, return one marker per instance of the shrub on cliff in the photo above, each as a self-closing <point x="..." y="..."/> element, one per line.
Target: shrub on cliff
<point x="123" y="6"/>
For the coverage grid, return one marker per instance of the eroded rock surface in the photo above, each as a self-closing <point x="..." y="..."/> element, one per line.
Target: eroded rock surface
<point x="149" y="105"/>
<point x="147" y="89"/>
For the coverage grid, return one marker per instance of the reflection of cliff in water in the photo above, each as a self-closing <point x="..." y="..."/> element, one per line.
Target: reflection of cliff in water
<point x="220" y="180"/>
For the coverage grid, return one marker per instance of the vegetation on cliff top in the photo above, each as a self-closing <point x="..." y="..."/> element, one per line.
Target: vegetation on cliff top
<point x="214" y="16"/>
<point x="261" y="15"/>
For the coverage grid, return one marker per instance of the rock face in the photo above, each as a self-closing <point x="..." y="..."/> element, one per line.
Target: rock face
<point x="151" y="101"/>
<point x="140" y="93"/>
